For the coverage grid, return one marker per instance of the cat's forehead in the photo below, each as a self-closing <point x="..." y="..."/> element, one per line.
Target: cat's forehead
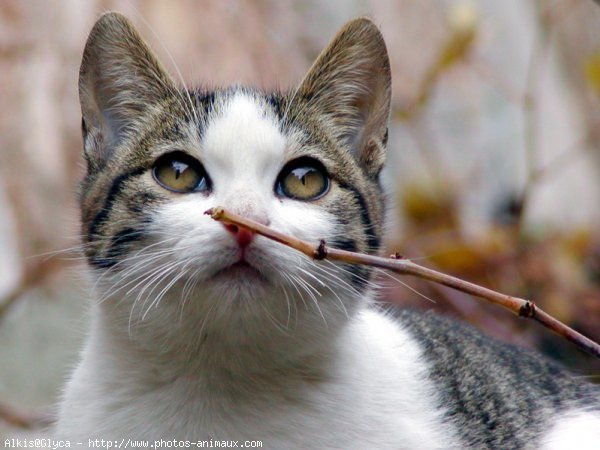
<point x="244" y="132"/>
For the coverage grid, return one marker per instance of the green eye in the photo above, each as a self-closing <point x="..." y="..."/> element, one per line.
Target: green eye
<point x="179" y="172"/>
<point x="303" y="179"/>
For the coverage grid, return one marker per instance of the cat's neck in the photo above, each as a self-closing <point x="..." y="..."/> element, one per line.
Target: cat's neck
<point x="165" y="348"/>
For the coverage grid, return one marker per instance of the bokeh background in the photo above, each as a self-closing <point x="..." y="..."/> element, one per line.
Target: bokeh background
<point x="493" y="173"/>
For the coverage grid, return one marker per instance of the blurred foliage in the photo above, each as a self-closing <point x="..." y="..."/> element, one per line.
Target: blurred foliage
<point x="592" y="71"/>
<point x="559" y="271"/>
<point x="558" y="268"/>
<point x="462" y="21"/>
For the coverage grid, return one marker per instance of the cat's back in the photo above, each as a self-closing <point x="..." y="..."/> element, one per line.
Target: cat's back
<point x="498" y="395"/>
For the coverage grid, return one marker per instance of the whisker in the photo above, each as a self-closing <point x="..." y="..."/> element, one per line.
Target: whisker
<point x="181" y="79"/>
<point x="309" y="290"/>
<point x="295" y="286"/>
<point x="188" y="290"/>
<point x="162" y="293"/>
<point x="155" y="281"/>
<point x="335" y="294"/>
<point x="385" y="272"/>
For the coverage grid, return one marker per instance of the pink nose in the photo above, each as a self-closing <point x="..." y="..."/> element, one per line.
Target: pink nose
<point x="243" y="235"/>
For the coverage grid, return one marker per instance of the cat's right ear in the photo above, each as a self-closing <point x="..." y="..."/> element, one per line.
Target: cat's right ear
<point x="119" y="78"/>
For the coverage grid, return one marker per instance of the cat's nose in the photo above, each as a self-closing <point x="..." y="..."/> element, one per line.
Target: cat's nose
<point x="243" y="235"/>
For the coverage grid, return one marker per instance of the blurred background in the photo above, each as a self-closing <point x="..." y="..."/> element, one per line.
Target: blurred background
<point x="493" y="173"/>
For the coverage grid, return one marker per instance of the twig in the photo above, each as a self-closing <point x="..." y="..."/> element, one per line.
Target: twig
<point x="519" y="306"/>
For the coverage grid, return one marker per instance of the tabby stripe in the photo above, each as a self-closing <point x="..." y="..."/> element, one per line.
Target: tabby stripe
<point x="346" y="244"/>
<point x="275" y="101"/>
<point x="102" y="263"/>
<point x="372" y="239"/>
<point x="118" y="245"/>
<point x="358" y="274"/>
<point x="205" y="99"/>
<point x="115" y="190"/>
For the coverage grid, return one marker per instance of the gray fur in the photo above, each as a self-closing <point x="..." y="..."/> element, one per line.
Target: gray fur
<point x="500" y="396"/>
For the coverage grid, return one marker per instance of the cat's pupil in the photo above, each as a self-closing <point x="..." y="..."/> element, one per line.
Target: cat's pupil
<point x="179" y="172"/>
<point x="301" y="174"/>
<point x="304" y="179"/>
<point x="179" y="168"/>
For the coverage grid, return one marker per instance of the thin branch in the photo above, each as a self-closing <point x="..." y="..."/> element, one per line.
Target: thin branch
<point x="519" y="306"/>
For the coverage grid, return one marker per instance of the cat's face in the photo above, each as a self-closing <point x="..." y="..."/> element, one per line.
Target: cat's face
<point x="305" y="163"/>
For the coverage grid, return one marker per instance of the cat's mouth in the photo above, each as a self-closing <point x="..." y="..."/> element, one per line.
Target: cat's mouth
<point x="240" y="269"/>
<point x="241" y="265"/>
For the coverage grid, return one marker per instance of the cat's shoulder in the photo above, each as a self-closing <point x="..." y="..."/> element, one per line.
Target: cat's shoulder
<point x="497" y="393"/>
<point x="457" y="342"/>
<point x="453" y="348"/>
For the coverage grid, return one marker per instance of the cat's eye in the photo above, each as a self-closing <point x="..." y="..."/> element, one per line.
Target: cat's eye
<point x="179" y="172"/>
<point x="303" y="179"/>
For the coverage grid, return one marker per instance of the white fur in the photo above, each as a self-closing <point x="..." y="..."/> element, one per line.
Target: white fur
<point x="375" y="394"/>
<point x="574" y="429"/>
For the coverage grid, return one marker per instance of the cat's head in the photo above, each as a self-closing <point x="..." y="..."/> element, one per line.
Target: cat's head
<point x="305" y="162"/>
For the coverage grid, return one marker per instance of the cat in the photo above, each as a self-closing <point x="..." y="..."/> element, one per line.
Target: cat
<point x="204" y="331"/>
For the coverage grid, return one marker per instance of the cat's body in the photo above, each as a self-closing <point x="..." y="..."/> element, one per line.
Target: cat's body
<point x="204" y="331"/>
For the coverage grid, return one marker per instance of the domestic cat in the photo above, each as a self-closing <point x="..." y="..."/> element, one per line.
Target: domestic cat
<point x="208" y="332"/>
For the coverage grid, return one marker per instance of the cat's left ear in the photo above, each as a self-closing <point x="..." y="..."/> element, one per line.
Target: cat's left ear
<point x="349" y="87"/>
